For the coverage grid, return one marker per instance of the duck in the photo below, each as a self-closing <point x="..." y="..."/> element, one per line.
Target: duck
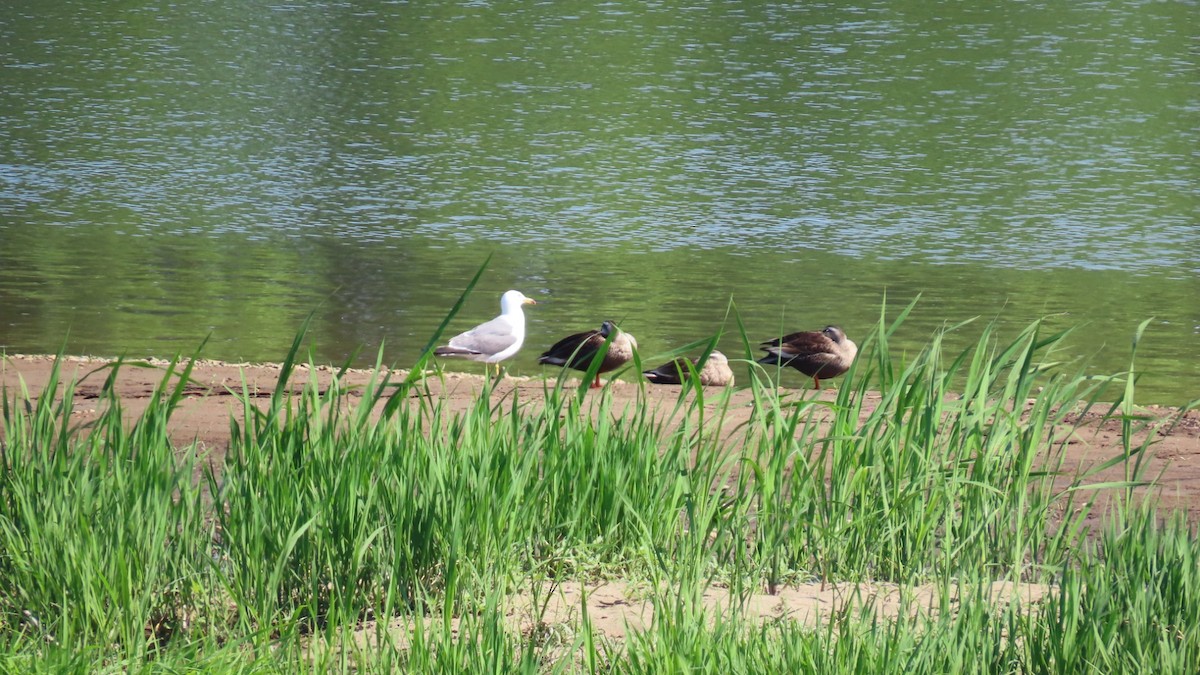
<point x="715" y="373"/>
<point x="819" y="354"/>
<point x="577" y="351"/>
<point x="496" y="340"/>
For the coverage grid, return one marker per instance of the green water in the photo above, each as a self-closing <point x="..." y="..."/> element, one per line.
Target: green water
<point x="171" y="171"/>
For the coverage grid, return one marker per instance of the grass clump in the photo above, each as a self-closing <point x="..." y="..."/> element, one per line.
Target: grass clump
<point x="934" y="480"/>
<point x="380" y="529"/>
<point x="103" y="537"/>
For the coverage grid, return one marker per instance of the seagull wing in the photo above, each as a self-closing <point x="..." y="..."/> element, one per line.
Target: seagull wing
<point x="488" y="338"/>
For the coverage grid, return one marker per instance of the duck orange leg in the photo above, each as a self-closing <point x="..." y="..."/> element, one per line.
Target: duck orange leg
<point x="596" y="384"/>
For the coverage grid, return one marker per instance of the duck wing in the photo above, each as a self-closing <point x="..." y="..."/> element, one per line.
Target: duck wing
<point x="574" y="351"/>
<point x="669" y="373"/>
<point x="805" y="351"/>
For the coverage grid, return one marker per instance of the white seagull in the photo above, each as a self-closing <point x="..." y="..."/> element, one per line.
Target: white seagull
<point x="496" y="340"/>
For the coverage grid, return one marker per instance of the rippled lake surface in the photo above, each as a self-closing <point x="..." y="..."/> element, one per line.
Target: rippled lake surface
<point x="171" y="171"/>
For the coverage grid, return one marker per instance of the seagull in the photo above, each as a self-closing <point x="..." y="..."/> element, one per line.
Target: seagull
<point x="818" y="354"/>
<point x="715" y="373"/>
<point x="496" y="340"/>
<point x="577" y="351"/>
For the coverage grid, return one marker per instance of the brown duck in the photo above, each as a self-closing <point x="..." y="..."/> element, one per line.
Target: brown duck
<point x="715" y="373"/>
<point x="577" y="351"/>
<point x="819" y="354"/>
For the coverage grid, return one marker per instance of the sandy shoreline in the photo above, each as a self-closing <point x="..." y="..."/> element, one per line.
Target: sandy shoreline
<point x="204" y="413"/>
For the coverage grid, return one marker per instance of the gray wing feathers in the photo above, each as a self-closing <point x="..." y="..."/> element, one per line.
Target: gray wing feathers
<point x="492" y="337"/>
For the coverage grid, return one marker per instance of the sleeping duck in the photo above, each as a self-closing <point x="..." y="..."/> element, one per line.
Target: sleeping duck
<point x="715" y="373"/>
<point x="577" y="351"/>
<point x="819" y="354"/>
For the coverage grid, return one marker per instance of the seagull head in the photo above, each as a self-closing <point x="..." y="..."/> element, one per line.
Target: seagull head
<point x="513" y="300"/>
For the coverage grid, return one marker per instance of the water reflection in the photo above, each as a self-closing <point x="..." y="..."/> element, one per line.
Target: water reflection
<point x="171" y="170"/>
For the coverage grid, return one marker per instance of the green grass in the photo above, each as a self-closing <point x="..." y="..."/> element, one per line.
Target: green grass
<point x="331" y="510"/>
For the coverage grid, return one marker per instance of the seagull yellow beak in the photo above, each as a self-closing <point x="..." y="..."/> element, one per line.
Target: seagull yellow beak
<point x="529" y="301"/>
